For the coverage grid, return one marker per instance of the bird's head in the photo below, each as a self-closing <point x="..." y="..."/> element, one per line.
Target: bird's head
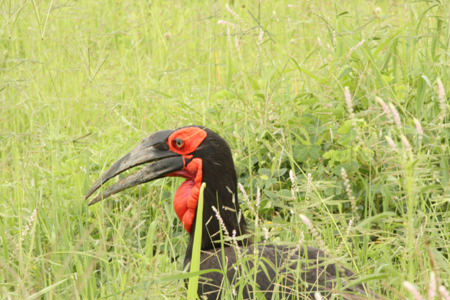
<point x="199" y="155"/>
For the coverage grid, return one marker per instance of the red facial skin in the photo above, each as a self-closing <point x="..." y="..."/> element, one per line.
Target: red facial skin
<point x="185" y="141"/>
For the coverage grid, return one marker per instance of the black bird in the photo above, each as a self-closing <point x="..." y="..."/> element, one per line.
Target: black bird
<point x="200" y="155"/>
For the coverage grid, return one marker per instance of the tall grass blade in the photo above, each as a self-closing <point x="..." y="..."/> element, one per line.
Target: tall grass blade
<point x="195" y="261"/>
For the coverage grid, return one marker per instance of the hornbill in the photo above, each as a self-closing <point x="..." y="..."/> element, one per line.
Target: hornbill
<point x="247" y="269"/>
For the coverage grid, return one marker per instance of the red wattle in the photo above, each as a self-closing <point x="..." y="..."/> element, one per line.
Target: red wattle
<point x="186" y="196"/>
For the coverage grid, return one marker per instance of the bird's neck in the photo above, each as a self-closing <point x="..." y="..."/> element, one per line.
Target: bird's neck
<point x="222" y="215"/>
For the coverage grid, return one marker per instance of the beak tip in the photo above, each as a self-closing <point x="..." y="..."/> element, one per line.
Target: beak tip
<point x="92" y="190"/>
<point x="93" y="201"/>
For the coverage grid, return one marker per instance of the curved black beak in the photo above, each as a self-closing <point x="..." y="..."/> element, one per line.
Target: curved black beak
<point x="153" y="150"/>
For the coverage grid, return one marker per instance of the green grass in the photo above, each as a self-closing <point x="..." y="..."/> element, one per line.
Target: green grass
<point x="82" y="82"/>
<point x="195" y="260"/>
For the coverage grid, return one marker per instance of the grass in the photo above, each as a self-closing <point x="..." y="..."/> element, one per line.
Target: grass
<point x="195" y="262"/>
<point x="81" y="82"/>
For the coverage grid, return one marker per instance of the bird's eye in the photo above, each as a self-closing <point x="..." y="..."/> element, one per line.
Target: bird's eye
<point x="178" y="143"/>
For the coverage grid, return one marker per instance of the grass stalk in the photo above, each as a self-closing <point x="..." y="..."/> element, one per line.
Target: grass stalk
<point x="196" y="248"/>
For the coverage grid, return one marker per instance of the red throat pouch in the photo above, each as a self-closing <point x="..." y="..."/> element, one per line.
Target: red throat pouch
<point x="186" y="197"/>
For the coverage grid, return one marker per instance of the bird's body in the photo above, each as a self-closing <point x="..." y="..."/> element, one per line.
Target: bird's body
<point x="200" y="155"/>
<point x="274" y="272"/>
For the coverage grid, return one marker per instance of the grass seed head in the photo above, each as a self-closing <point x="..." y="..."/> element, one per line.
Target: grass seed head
<point x="319" y="42"/>
<point x="244" y="193"/>
<point x="405" y="143"/>
<point x="260" y="36"/>
<point x="391" y="143"/>
<point x="396" y="115"/>
<point x="412" y="289"/>
<point x="308" y="186"/>
<point x="232" y="12"/>
<point x="258" y="197"/>
<point x="349" y="191"/>
<point x="313" y="231"/>
<point x="223" y="22"/>
<point x="348" y="101"/>
<point x="419" y="128"/>
<point x="356" y="47"/>
<point x="385" y="108"/>
<point x="444" y="293"/>
<point x="266" y="234"/>
<point x="442" y="100"/>
<point x="432" y="286"/>
<point x="219" y="218"/>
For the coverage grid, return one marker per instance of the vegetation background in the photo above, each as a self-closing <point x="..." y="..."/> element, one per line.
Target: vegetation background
<point x="336" y="110"/>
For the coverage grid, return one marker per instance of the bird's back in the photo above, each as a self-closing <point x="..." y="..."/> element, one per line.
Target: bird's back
<point x="274" y="272"/>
